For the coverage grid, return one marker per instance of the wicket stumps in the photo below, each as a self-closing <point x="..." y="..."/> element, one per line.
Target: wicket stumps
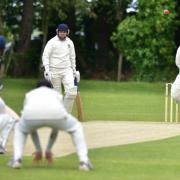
<point x="170" y="111"/>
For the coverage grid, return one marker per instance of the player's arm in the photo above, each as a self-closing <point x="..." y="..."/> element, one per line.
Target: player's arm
<point x="46" y="55"/>
<point x="45" y="59"/>
<point x="11" y="112"/>
<point x="73" y="57"/>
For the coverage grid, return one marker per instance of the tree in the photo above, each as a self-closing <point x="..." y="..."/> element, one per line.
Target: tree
<point x="177" y="40"/>
<point x="99" y="24"/>
<point x="1" y="16"/>
<point x="66" y="11"/>
<point x="13" y="18"/>
<point x="91" y="24"/>
<point x="23" y="42"/>
<point x="26" y="27"/>
<point x="147" y="40"/>
<point x="47" y="15"/>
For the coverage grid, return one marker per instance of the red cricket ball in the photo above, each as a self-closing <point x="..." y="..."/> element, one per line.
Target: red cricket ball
<point x="166" y="11"/>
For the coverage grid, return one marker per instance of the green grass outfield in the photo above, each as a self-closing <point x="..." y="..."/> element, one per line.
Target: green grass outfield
<point x="154" y="160"/>
<point x="103" y="100"/>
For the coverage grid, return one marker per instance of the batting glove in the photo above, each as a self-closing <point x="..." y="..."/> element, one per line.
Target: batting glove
<point x="77" y="75"/>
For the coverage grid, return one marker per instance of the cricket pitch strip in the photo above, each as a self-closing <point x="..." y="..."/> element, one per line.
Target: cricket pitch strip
<point x="104" y="134"/>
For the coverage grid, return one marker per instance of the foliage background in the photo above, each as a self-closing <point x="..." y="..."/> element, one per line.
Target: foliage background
<point x="101" y="31"/>
<point x="147" y="40"/>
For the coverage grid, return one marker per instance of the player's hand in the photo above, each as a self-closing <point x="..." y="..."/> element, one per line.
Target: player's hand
<point x="77" y="75"/>
<point x="47" y="75"/>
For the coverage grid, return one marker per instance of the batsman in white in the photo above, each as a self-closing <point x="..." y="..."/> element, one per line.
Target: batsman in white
<point x="43" y="106"/>
<point x="8" y="119"/>
<point x="59" y="61"/>
<point x="175" y="88"/>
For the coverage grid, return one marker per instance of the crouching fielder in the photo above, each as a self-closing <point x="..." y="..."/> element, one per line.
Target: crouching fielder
<point x="7" y="121"/>
<point x="44" y="107"/>
<point x="175" y="89"/>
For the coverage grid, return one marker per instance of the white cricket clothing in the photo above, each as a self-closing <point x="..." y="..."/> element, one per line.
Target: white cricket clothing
<point x="59" y="54"/>
<point x="43" y="103"/>
<point x="44" y="107"/>
<point x="175" y="89"/>
<point x="7" y="122"/>
<point x="59" y="60"/>
<point x="6" y="125"/>
<point x="67" y="79"/>
<point x="178" y="58"/>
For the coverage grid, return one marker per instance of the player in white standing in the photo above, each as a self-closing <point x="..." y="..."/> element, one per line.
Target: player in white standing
<point x="8" y="118"/>
<point x="175" y="89"/>
<point x="43" y="106"/>
<point x="59" y="61"/>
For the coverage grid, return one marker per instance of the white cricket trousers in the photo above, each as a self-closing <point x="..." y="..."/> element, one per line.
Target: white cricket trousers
<point x="65" y="77"/>
<point x="71" y="125"/>
<point x="6" y="125"/>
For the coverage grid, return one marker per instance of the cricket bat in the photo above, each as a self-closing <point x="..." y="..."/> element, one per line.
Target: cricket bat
<point x="79" y="105"/>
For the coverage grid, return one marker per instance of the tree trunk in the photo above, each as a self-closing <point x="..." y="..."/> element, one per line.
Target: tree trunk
<point x="26" y="27"/>
<point x="119" y="72"/>
<point x="24" y="39"/>
<point x="119" y="17"/>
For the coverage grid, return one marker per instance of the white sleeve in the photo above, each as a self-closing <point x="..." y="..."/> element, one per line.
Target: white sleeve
<point x="11" y="112"/>
<point x="73" y="57"/>
<point x="178" y="58"/>
<point x="46" y="55"/>
<point x="4" y="109"/>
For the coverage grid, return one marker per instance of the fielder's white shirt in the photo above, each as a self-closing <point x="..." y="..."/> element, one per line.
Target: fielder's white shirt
<point x="43" y="103"/>
<point x="59" y="54"/>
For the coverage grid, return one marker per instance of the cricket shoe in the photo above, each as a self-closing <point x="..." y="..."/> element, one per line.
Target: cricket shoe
<point x="85" y="166"/>
<point x="49" y="157"/>
<point x="16" y="164"/>
<point x="37" y="158"/>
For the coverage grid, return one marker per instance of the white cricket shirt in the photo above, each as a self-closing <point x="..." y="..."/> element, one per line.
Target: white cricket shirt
<point x="43" y="103"/>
